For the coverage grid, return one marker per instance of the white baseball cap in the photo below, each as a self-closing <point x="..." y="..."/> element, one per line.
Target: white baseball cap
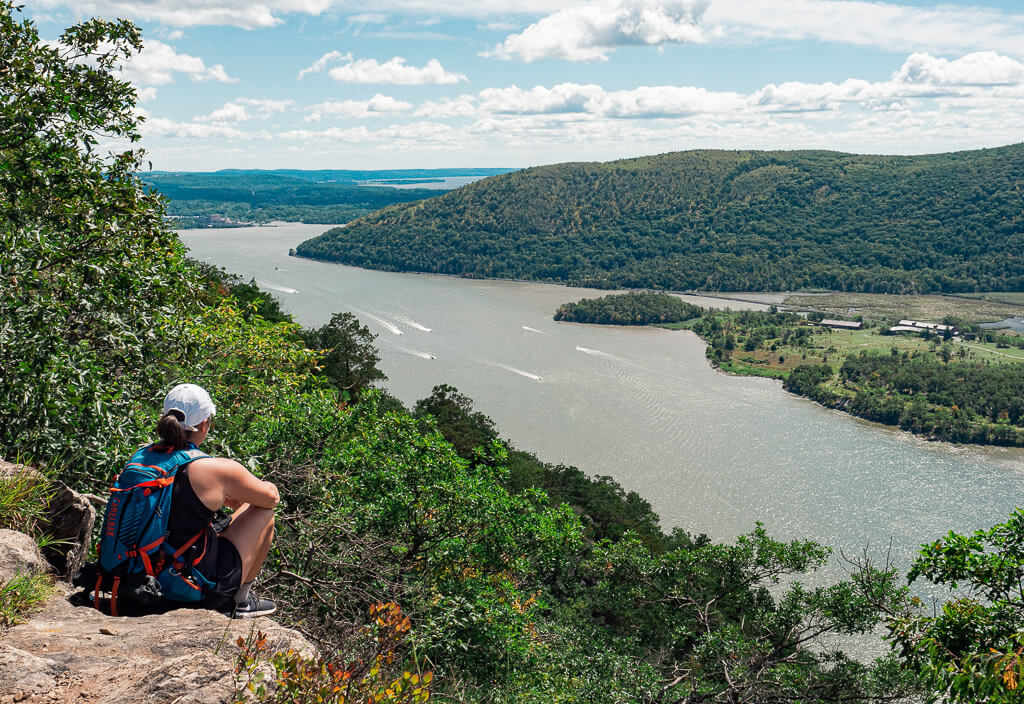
<point x="192" y="401"/>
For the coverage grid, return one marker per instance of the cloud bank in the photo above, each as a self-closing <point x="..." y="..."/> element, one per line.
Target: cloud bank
<point x="245" y="109"/>
<point x="393" y="71"/>
<point x="376" y="106"/>
<point x="588" y="31"/>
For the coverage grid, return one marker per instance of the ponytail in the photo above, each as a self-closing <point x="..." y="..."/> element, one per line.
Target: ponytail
<point x="171" y="430"/>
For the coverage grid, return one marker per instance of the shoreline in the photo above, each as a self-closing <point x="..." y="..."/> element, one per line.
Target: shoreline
<point x="758" y="298"/>
<point x="841" y="404"/>
<point x="723" y="295"/>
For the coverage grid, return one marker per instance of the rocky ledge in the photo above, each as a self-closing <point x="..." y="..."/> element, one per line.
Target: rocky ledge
<point x="74" y="654"/>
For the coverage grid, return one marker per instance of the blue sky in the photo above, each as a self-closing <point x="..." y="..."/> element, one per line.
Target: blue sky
<point x="431" y="83"/>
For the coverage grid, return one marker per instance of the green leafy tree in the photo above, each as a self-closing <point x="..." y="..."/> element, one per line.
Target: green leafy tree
<point x="715" y="623"/>
<point x="466" y="429"/>
<point x="87" y="267"/>
<point x="970" y="650"/>
<point x="349" y="359"/>
<point x="100" y="309"/>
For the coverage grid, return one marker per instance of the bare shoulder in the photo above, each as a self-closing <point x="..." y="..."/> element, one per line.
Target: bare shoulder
<point x="218" y="466"/>
<point x="233" y="480"/>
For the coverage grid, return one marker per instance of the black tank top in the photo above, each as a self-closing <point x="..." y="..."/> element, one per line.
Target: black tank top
<point x="189" y="515"/>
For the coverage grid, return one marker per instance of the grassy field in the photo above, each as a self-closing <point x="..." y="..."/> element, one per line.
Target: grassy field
<point x="1014" y="298"/>
<point x="832" y="347"/>
<point x="976" y="308"/>
<point x="853" y="341"/>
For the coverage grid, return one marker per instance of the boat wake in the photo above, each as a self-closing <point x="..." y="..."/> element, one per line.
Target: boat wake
<point x="412" y="323"/>
<point x="539" y="332"/>
<point x="603" y="355"/>
<point x="414" y="353"/>
<point x="275" y="287"/>
<point x="520" y="372"/>
<point x="391" y="327"/>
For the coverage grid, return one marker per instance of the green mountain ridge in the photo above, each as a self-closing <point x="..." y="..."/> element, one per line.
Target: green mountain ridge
<point x="718" y="220"/>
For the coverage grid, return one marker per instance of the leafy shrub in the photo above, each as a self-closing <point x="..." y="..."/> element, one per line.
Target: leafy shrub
<point x="970" y="649"/>
<point x="374" y="675"/>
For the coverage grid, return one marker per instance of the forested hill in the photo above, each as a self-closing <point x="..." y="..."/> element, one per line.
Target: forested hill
<point x="718" y="220"/>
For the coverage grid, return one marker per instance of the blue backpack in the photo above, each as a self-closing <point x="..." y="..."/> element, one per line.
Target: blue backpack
<point x="133" y="546"/>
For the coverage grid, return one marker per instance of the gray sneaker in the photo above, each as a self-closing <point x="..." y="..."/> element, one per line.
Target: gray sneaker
<point x="253" y="607"/>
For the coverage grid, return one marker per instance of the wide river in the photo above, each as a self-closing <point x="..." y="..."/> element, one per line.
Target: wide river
<point x="711" y="452"/>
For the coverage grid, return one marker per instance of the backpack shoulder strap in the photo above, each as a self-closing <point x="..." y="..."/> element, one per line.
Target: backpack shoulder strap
<point x="184" y="457"/>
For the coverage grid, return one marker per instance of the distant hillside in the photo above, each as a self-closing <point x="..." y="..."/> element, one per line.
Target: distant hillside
<point x="718" y="220"/>
<point x="201" y="199"/>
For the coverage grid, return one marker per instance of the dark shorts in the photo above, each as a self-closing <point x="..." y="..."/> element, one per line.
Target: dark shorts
<point x="222" y="565"/>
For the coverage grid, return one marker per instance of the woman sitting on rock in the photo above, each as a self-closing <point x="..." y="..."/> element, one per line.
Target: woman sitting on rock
<point x="232" y="558"/>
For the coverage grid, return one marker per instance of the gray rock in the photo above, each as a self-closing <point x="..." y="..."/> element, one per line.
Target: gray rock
<point x="18" y="553"/>
<point x="68" y="520"/>
<point x="77" y="654"/>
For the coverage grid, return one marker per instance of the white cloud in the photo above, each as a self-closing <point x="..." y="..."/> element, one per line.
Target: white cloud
<point x="929" y="102"/>
<point x="641" y="102"/>
<point x="667" y="101"/>
<point x="323" y="62"/>
<point x="243" y="109"/>
<point x="169" y="34"/>
<point x="358" y="22"/>
<point x="574" y="98"/>
<point x="163" y="127"/>
<point x="564" y="97"/>
<point x="157" y="63"/>
<point x="796" y="96"/>
<point x="944" y="28"/>
<point x="376" y="106"/>
<point x="460" y="106"/>
<point x="189" y="13"/>
<point x="416" y="134"/>
<point x="393" y="71"/>
<point x="921" y="76"/>
<point x="499" y="26"/>
<point x="986" y="68"/>
<point x="589" y="32"/>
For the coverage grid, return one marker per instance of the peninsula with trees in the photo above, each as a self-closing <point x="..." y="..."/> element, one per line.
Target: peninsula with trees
<point x="950" y="380"/>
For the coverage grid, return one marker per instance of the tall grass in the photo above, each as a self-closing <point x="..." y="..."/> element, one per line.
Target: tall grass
<point x="23" y="501"/>
<point x="21" y="594"/>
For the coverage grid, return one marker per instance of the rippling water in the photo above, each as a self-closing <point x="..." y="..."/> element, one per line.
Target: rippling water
<point x="712" y="453"/>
